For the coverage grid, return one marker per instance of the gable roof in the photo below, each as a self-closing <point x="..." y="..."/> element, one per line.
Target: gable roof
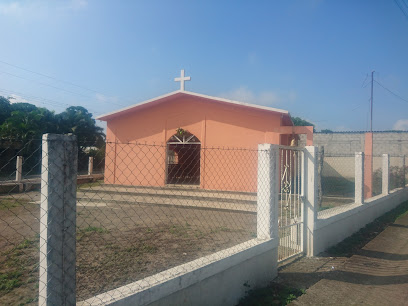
<point x="180" y="93"/>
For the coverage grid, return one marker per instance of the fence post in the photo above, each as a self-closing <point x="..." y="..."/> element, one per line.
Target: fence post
<point x="404" y="182"/>
<point x="57" y="283"/>
<point x="268" y="191"/>
<point x="359" y="178"/>
<point x="385" y="174"/>
<point x="90" y="165"/>
<point x="319" y="175"/>
<point x="310" y="197"/>
<point x="19" y="168"/>
<point x="19" y="173"/>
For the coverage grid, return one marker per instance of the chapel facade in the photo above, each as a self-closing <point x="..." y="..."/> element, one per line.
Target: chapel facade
<point x="185" y="138"/>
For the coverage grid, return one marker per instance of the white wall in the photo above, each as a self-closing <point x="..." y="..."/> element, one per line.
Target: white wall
<point x="221" y="278"/>
<point x="336" y="224"/>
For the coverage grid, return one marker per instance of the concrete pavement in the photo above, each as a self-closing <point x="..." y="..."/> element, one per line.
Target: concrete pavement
<point x="376" y="275"/>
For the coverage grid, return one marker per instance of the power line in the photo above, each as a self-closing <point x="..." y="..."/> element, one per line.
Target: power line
<point x="55" y="87"/>
<point x="364" y="85"/>
<point x="63" y="81"/>
<point x="49" y="77"/>
<point x="41" y="100"/>
<point x="391" y="92"/>
<point x="401" y="8"/>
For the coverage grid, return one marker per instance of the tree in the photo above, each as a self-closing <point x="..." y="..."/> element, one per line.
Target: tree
<point x="27" y="125"/>
<point x="77" y="120"/>
<point x="25" y="121"/>
<point x="23" y="124"/>
<point x="297" y="121"/>
<point x="23" y="107"/>
<point x="326" y="131"/>
<point x="5" y="109"/>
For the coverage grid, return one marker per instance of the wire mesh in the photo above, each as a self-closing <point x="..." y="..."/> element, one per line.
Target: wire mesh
<point x="160" y="206"/>
<point x="397" y="172"/>
<point x="337" y="181"/>
<point x="19" y="221"/>
<point x="150" y="210"/>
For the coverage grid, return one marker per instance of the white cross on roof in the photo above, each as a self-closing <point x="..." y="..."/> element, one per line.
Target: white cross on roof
<point x="182" y="79"/>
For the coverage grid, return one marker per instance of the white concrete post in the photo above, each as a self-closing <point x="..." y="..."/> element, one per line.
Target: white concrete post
<point x="403" y="171"/>
<point x="90" y="165"/>
<point x="19" y="169"/>
<point x="310" y="192"/>
<point x="359" y="178"/>
<point x="385" y="174"/>
<point x="57" y="281"/>
<point x="268" y="191"/>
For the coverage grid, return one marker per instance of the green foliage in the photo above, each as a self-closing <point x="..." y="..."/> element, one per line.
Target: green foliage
<point x="297" y="121"/>
<point x="10" y="280"/>
<point x="5" y="109"/>
<point x="337" y="186"/>
<point x="326" y="131"/>
<point x="25" y="121"/>
<point x="180" y="131"/>
<point x="20" y="266"/>
<point x="23" y="124"/>
<point x="9" y="203"/>
<point x="95" y="229"/>
<point x="274" y="294"/>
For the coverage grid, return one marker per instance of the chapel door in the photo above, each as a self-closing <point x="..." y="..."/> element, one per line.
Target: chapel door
<point x="183" y="159"/>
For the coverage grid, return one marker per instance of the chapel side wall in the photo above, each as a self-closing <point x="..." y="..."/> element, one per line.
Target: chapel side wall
<point x="110" y="157"/>
<point x="229" y="135"/>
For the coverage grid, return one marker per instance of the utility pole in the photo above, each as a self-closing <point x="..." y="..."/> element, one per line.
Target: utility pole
<point x="372" y="86"/>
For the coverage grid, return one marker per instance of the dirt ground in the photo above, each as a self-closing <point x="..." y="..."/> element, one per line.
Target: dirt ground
<point x="116" y="245"/>
<point x="121" y="243"/>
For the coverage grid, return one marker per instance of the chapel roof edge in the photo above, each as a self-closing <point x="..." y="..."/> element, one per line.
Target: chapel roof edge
<point x="106" y="116"/>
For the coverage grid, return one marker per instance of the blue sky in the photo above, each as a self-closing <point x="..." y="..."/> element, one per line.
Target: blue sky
<point x="313" y="58"/>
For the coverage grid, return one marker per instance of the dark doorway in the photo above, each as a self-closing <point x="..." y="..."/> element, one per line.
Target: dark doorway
<point x="183" y="160"/>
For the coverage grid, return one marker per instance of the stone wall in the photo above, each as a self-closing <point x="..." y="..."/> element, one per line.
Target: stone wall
<point x="347" y="143"/>
<point x="340" y="147"/>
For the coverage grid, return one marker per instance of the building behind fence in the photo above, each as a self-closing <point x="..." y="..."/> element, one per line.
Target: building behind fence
<point x="79" y="238"/>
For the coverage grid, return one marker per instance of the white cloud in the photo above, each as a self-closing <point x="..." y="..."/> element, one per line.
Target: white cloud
<point x="106" y="99"/>
<point x="17" y="99"/>
<point x="242" y="94"/>
<point x="29" y="9"/>
<point x="267" y="98"/>
<point x="78" y="4"/>
<point x="9" y="8"/>
<point x="401" y="124"/>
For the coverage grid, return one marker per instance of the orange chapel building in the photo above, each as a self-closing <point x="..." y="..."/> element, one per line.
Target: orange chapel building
<point x="186" y="138"/>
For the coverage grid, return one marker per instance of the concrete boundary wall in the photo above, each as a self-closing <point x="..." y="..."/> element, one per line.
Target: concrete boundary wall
<point x="336" y="224"/>
<point x="346" y="143"/>
<point x="221" y="278"/>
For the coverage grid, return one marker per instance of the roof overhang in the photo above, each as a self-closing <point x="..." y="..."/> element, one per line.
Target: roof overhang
<point x="179" y="93"/>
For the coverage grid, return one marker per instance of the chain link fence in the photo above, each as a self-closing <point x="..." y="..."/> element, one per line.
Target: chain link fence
<point x="151" y="214"/>
<point x="337" y="191"/>
<point x="19" y="221"/>
<point x="138" y="210"/>
<point x="337" y="180"/>
<point x="154" y="208"/>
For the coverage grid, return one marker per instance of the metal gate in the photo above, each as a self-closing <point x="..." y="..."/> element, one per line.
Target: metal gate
<point x="290" y="218"/>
